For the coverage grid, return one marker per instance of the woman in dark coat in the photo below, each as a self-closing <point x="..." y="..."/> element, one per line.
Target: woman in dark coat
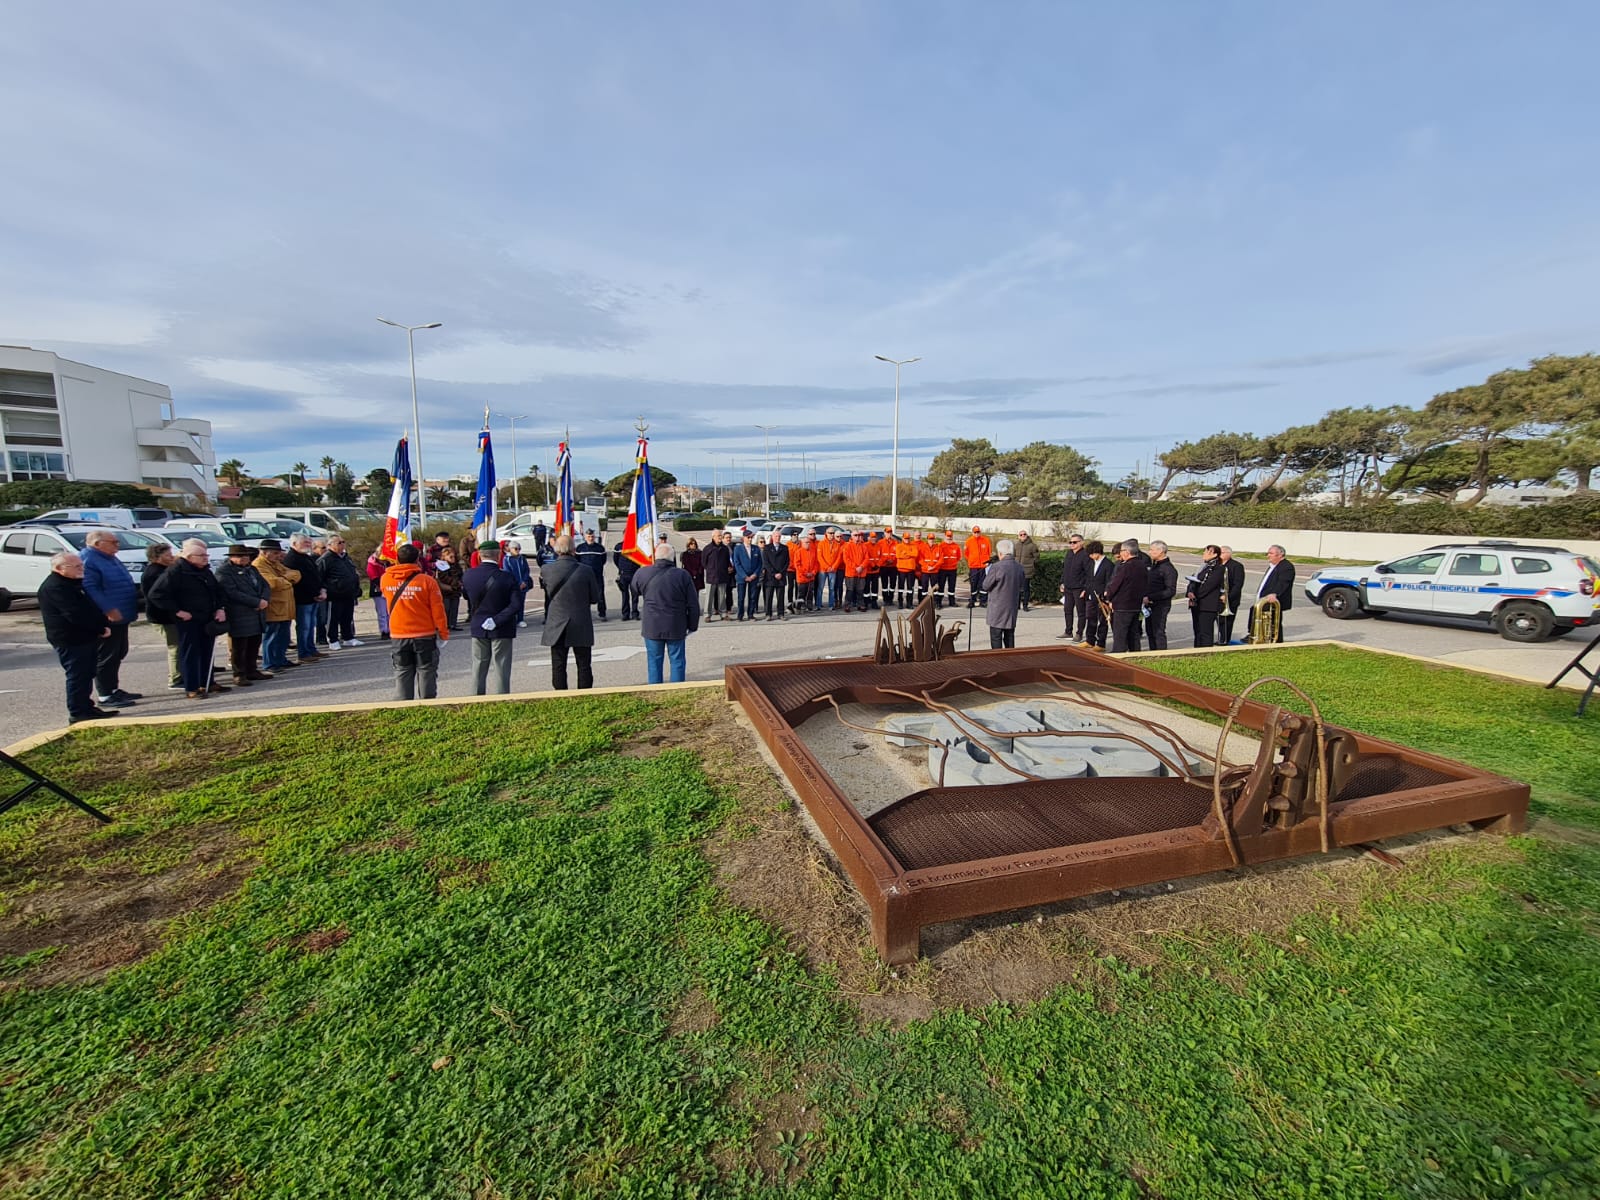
<point x="245" y="596"/>
<point x="447" y="574"/>
<point x="694" y="562"/>
<point x="191" y="593"/>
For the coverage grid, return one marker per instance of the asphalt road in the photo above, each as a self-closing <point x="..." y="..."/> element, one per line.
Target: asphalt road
<point x="32" y="701"/>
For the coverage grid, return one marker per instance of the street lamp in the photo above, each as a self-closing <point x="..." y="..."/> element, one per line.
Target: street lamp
<point x="894" y="468"/>
<point x="416" y="421"/>
<point x="516" y="506"/>
<point x="766" y="438"/>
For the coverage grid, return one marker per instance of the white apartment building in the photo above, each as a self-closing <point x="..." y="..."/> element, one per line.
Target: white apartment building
<point x="61" y="419"/>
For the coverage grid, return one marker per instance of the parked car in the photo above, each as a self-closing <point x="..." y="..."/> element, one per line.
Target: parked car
<point x="25" y="552"/>
<point x="737" y="525"/>
<point x="822" y="529"/>
<point x="1526" y="592"/>
<point x="216" y="543"/>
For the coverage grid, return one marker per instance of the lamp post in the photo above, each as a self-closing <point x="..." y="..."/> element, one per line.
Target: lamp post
<point x="416" y="421"/>
<point x="766" y="438"/>
<point x="894" y="463"/>
<point x="516" y="504"/>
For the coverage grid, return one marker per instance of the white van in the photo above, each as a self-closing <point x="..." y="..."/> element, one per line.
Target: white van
<point x="328" y="519"/>
<point x="110" y="518"/>
<point x="520" y="527"/>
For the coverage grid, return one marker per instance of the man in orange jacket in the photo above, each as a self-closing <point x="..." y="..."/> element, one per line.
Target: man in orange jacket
<point x="803" y="562"/>
<point x="949" y="560"/>
<point x="888" y="573"/>
<point x="417" y="625"/>
<point x="979" y="550"/>
<point x="905" y="563"/>
<point x="874" y="563"/>
<point x="928" y="567"/>
<point x="856" y="553"/>
<point x="830" y="565"/>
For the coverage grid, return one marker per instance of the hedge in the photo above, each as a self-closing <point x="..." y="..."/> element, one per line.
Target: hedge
<point x="691" y="524"/>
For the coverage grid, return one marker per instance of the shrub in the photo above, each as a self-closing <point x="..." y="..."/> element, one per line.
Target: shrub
<point x="691" y="524"/>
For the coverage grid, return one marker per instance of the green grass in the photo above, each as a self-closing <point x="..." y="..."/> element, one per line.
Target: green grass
<point x="525" y="910"/>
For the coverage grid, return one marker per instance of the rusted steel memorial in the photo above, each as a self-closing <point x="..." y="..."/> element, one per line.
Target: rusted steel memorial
<point x="1176" y="809"/>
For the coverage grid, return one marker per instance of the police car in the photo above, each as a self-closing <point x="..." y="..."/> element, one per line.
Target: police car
<point x="1525" y="592"/>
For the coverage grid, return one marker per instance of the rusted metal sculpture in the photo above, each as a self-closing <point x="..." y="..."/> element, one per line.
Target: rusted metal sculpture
<point x="943" y="853"/>
<point x="916" y="638"/>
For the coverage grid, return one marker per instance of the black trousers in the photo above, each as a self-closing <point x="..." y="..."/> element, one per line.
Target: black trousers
<point x="243" y="653"/>
<point x="772" y="597"/>
<point x="975" y="583"/>
<point x="1078" y="614"/>
<point x="600" y="604"/>
<point x="854" y="594"/>
<point x="1155" y="625"/>
<point x="78" y="662"/>
<point x="1124" y="630"/>
<point x="342" y="616"/>
<point x="1224" y="628"/>
<point x="947" y="584"/>
<point x="558" y="665"/>
<point x="1002" y="639"/>
<point x="109" y="653"/>
<point x="1205" y="627"/>
<point x="628" y="611"/>
<point x="1094" y="629"/>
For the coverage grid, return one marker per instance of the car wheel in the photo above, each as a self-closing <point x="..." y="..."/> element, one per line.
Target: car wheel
<point x="1341" y="603"/>
<point x="1524" y="622"/>
<point x="5" y="600"/>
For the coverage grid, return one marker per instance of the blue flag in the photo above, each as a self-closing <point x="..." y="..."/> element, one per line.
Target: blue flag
<point x="483" y="514"/>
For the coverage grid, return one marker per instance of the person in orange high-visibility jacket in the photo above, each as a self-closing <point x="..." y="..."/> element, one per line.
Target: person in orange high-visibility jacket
<point x="803" y="562"/>
<point x="830" y="571"/>
<point x="927" y="566"/>
<point x="905" y="564"/>
<point x="417" y="625"/>
<point x="856" y="553"/>
<point x="874" y="564"/>
<point x="949" y="560"/>
<point x="979" y="550"/>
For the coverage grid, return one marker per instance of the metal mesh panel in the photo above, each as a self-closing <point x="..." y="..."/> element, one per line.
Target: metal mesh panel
<point x="1375" y="774"/>
<point x="941" y="826"/>
<point x="799" y="683"/>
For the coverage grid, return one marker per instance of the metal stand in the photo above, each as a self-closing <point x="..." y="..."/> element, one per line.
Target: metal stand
<point x="1592" y="674"/>
<point x="37" y="781"/>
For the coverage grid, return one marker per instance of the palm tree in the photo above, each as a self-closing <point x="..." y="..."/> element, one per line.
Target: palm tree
<point x="327" y="468"/>
<point x="232" y="471"/>
<point x="298" y="469"/>
<point x="439" y="497"/>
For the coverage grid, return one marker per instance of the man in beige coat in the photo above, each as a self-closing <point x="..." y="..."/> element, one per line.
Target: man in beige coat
<point x="280" y="609"/>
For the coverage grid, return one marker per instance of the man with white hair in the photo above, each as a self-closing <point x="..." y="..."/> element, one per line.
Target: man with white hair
<point x="1003" y="586"/>
<point x="1163" y="586"/>
<point x="669" y="611"/>
<point x="308" y="593"/>
<point x="1126" y="592"/>
<point x="110" y="585"/>
<point x="75" y="626"/>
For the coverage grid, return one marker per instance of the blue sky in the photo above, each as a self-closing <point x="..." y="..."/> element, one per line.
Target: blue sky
<point x="1112" y="226"/>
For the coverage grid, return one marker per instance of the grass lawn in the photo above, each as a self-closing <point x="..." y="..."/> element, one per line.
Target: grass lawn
<point x="491" y="951"/>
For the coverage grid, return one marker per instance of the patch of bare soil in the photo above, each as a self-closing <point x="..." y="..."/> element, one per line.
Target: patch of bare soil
<point x="455" y="872"/>
<point x="787" y="1132"/>
<point x="207" y="749"/>
<point x="769" y="859"/>
<point x="393" y="844"/>
<point x="322" y="940"/>
<point x="97" y="911"/>
<point x="694" y="1013"/>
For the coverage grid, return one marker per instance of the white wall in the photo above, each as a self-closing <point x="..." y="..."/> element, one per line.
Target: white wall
<point x="1298" y="543"/>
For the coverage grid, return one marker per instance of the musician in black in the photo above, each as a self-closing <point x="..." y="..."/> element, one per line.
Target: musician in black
<point x="1205" y="596"/>
<point x="1098" y="580"/>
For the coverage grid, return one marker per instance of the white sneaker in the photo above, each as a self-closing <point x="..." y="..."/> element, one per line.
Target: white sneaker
<point x="353" y="642"/>
<point x="334" y="646"/>
<point x="522" y="624"/>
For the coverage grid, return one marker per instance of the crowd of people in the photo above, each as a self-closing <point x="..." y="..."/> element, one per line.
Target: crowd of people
<point x="281" y="607"/>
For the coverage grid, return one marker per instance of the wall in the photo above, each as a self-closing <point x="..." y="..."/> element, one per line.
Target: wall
<point x="1298" y="543"/>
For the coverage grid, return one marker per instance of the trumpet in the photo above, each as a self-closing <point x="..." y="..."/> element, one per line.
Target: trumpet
<point x="1266" y="620"/>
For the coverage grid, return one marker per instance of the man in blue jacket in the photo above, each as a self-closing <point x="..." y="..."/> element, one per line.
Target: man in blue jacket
<point x="495" y="600"/>
<point x="669" y="611"/>
<point x="111" y="587"/>
<point x="747" y="574"/>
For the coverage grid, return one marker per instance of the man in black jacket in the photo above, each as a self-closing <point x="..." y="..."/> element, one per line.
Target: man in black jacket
<point x="1097" y="580"/>
<point x="669" y="612"/>
<point x="718" y="564"/>
<point x="591" y="553"/>
<point x="1233" y="589"/>
<point x="74" y="627"/>
<point x="774" y="573"/>
<point x="626" y="569"/>
<point x="1163" y="587"/>
<point x="160" y="557"/>
<point x="570" y="589"/>
<point x="1074" y="582"/>
<point x="1205" y="597"/>
<point x="245" y="596"/>
<point x="1278" y="582"/>
<point x="1126" y="592"/>
<point x="492" y="597"/>
<point x="308" y="593"/>
<point x="342" y="583"/>
<point x="192" y="593"/>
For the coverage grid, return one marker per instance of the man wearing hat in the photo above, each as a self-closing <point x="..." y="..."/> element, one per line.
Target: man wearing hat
<point x="747" y="574"/>
<point x="978" y="550"/>
<point x="246" y="596"/>
<point x="949" y="560"/>
<point x="494" y="599"/>
<point x="874" y="564"/>
<point x="928" y="567"/>
<point x="280" y="607"/>
<point x="803" y="562"/>
<point x="905" y="564"/>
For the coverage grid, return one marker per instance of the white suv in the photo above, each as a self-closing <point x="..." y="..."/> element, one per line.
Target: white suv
<point x="1525" y="592"/>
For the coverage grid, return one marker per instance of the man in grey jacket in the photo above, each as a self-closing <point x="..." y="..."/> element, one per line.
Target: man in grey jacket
<point x="669" y="611"/>
<point x="570" y="591"/>
<point x="1004" y="584"/>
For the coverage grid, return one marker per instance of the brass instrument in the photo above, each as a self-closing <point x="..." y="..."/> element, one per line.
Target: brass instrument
<point x="1266" y="620"/>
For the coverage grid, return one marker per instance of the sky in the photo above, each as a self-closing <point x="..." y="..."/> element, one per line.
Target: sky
<point x="1114" y="226"/>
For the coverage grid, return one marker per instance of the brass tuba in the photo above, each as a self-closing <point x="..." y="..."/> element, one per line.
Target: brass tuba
<point x="1266" y="620"/>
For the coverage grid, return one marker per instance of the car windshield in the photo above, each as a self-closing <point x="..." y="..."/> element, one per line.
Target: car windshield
<point x="127" y="539"/>
<point x="246" y="529"/>
<point x="351" y="514"/>
<point x="208" y="536"/>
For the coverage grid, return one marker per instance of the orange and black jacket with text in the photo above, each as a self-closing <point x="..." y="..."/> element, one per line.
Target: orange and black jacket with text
<point x="416" y="607"/>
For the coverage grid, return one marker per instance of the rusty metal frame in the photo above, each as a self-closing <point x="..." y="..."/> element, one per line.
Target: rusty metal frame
<point x="779" y="696"/>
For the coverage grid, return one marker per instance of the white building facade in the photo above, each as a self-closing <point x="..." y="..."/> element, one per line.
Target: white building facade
<point x="61" y="419"/>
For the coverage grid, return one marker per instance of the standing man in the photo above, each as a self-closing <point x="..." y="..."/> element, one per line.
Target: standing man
<point x="341" y="580"/>
<point x="1006" y="584"/>
<point x="110" y="585"/>
<point x="1099" y="579"/>
<point x="874" y="564"/>
<point x="803" y="562"/>
<point x="774" y="571"/>
<point x="1126" y="591"/>
<point x="591" y="553"/>
<point x="905" y="566"/>
<point x="1205" y="597"/>
<point x="1163" y="587"/>
<point x="1232" y="571"/>
<point x="856" y="554"/>
<point x="1028" y="560"/>
<point x="1278" y="582"/>
<point x="74" y="625"/>
<point x="516" y="566"/>
<point x="978" y="551"/>
<point x="830" y="560"/>
<point x="626" y="570"/>
<point x="747" y="572"/>
<point x="718" y="564"/>
<point x="949" y="560"/>
<point x="280" y="607"/>
<point x="928" y="568"/>
<point x="308" y="593"/>
<point x="669" y="612"/>
<point x="1074" y="589"/>
<point x="246" y="596"/>
<point x="541" y="535"/>
<point x="493" y="597"/>
<point x="160" y="558"/>
<point x="193" y="595"/>
<point x="570" y="590"/>
<point x="417" y="625"/>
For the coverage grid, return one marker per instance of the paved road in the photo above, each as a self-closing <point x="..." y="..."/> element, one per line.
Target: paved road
<point x="31" y="698"/>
